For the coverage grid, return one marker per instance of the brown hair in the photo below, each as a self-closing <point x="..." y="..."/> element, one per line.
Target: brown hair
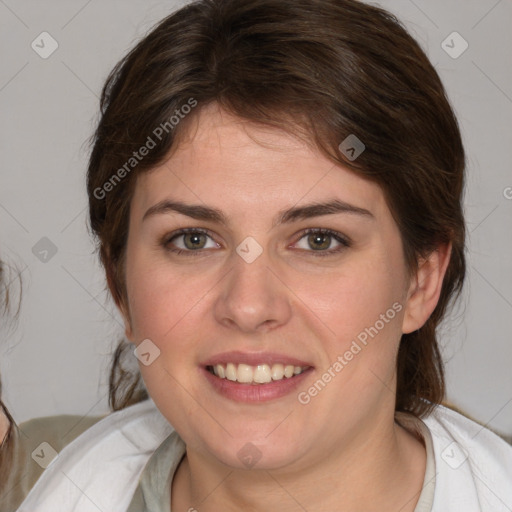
<point x="325" y="69"/>
<point x="7" y="444"/>
<point x="6" y="447"/>
<point x="125" y="382"/>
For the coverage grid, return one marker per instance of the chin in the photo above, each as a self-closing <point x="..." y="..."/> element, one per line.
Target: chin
<point x="254" y="453"/>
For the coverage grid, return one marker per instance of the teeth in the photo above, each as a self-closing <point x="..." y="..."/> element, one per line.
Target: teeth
<point x="220" y="371"/>
<point x="277" y="371"/>
<point x="260" y="374"/>
<point x="230" y="372"/>
<point x="244" y="373"/>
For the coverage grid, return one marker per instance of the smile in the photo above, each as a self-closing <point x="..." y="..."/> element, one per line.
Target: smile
<point x="255" y="377"/>
<point x="257" y="374"/>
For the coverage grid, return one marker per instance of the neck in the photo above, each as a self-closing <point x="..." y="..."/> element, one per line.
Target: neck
<point x="380" y="468"/>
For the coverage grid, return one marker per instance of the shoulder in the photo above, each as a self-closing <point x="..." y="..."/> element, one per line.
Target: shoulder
<point x="35" y="444"/>
<point x="60" y="430"/>
<point x="473" y="464"/>
<point x="480" y="442"/>
<point x="104" y="463"/>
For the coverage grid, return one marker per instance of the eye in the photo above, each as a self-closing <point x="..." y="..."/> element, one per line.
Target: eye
<point x="320" y="241"/>
<point x="189" y="240"/>
<point x="192" y="241"/>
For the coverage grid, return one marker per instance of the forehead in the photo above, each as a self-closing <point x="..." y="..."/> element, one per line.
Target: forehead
<point x="234" y="164"/>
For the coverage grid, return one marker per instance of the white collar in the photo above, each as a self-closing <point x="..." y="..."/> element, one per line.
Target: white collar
<point x="100" y="470"/>
<point x="104" y="464"/>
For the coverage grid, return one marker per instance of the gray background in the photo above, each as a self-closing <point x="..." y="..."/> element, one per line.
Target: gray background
<point x="56" y="360"/>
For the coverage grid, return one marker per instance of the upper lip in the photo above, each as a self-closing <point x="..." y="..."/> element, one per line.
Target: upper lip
<point x="254" y="358"/>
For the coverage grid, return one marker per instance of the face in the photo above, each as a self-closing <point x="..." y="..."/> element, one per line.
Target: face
<point x="273" y="324"/>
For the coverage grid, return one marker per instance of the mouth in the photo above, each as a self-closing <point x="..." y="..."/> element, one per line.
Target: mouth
<point x="255" y="378"/>
<point x="256" y="375"/>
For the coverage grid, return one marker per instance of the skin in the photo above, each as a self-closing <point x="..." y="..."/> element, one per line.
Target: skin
<point x="4" y="425"/>
<point x="4" y="421"/>
<point x="343" y="446"/>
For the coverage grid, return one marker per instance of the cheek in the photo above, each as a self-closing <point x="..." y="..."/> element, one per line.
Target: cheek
<point x="349" y="302"/>
<point x="364" y="308"/>
<point x="160" y="300"/>
<point x="165" y="308"/>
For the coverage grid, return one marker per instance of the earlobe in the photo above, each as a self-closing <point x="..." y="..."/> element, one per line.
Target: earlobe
<point x="128" y="332"/>
<point x="425" y="288"/>
<point x="125" y="316"/>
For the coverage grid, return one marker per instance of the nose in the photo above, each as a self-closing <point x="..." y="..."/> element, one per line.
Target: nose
<point x="252" y="297"/>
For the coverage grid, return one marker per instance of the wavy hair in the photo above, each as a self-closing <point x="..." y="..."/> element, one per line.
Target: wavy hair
<point x="7" y="444"/>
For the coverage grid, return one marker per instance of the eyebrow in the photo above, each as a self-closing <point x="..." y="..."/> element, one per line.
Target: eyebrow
<point x="206" y="213"/>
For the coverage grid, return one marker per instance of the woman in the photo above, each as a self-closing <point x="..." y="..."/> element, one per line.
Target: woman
<point x="276" y="188"/>
<point x="6" y="421"/>
<point x="26" y="450"/>
<point x="6" y="446"/>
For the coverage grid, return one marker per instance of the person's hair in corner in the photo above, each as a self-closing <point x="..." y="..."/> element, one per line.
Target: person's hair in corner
<point x="6" y="445"/>
<point x="320" y="69"/>
<point x="125" y="382"/>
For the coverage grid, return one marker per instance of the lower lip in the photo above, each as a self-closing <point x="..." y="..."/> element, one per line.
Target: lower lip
<point x="255" y="393"/>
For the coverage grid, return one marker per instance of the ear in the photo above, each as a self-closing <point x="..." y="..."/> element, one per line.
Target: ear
<point x="425" y="288"/>
<point x="128" y="331"/>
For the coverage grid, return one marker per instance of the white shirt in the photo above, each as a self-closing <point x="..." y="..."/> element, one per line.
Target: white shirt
<point x="469" y="468"/>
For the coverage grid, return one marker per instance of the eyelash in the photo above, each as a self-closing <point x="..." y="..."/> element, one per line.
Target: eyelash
<point x="344" y="241"/>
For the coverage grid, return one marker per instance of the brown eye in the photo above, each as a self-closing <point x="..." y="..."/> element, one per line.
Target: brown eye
<point x="321" y="241"/>
<point x="318" y="241"/>
<point x="194" y="240"/>
<point x="189" y="241"/>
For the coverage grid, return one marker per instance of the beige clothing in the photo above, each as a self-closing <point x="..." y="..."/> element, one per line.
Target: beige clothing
<point x="153" y="492"/>
<point x="30" y="456"/>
